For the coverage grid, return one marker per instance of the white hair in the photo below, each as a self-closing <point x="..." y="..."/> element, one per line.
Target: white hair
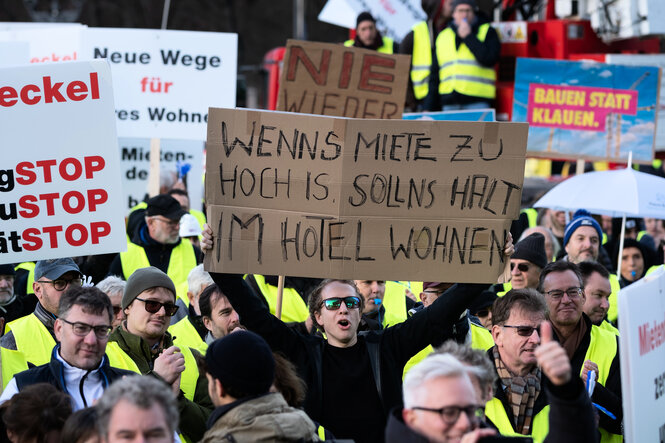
<point x="556" y="246"/>
<point x="112" y="285"/>
<point x="432" y="367"/>
<point x="198" y="279"/>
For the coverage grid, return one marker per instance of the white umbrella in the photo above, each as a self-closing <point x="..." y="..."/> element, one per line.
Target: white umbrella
<point x="618" y="193"/>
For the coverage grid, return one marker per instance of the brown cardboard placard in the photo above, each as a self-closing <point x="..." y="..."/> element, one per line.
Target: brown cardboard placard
<point x="304" y="195"/>
<point x="329" y="79"/>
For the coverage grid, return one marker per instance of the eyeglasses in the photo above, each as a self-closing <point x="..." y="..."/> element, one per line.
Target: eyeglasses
<point x="573" y="293"/>
<point x="153" y="307"/>
<point x="334" y="303"/>
<point x="524" y="331"/>
<point x="522" y="267"/>
<point x="83" y="329"/>
<point x="61" y="283"/>
<point x="170" y="223"/>
<point x="450" y="414"/>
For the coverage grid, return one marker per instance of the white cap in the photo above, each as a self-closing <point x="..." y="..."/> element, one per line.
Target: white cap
<point x="189" y="226"/>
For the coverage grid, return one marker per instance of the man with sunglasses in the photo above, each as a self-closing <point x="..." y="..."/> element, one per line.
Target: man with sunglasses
<point x="156" y="242"/>
<point x="145" y="346"/>
<point x="78" y="365"/>
<point x="589" y="347"/>
<point x="33" y="334"/>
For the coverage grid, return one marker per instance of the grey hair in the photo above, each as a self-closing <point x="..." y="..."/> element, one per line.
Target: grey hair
<point x="139" y="390"/>
<point x="432" y="367"/>
<point x="484" y="368"/>
<point x="112" y="285"/>
<point x="198" y="279"/>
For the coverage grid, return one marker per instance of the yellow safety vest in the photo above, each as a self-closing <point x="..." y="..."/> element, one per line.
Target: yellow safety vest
<point x="540" y="426"/>
<point x="602" y="350"/>
<point x="185" y="335"/>
<point x="12" y="363"/>
<point x="421" y="60"/>
<point x="607" y="326"/>
<point x="531" y="215"/>
<point x="183" y="260"/>
<point x="394" y="303"/>
<point x="294" y="308"/>
<point x="120" y="359"/>
<point x="386" y="48"/>
<point x="199" y="216"/>
<point x="506" y="287"/>
<point x="653" y="269"/>
<point x="30" y="267"/>
<point x="460" y="71"/>
<point x="32" y="339"/>
<point x="613" y="311"/>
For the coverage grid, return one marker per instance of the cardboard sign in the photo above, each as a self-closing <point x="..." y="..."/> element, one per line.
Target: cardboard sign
<point x="135" y="167"/>
<point x="587" y="110"/>
<point x="316" y="196"/>
<point x="60" y="175"/>
<point x="327" y="79"/>
<point x="164" y="81"/>
<point x="642" y="328"/>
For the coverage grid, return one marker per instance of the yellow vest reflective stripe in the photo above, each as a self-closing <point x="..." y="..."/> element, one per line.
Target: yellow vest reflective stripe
<point x="421" y="60"/>
<point x="540" y="426"/>
<point x="12" y="363"/>
<point x="119" y="359"/>
<point x="185" y="335"/>
<point x="460" y="71"/>
<point x="183" y="260"/>
<point x="394" y="303"/>
<point x="293" y="306"/>
<point x="607" y="326"/>
<point x="531" y="215"/>
<point x="30" y="267"/>
<point x="613" y="311"/>
<point x="32" y="339"/>
<point x="602" y="350"/>
<point x="386" y="48"/>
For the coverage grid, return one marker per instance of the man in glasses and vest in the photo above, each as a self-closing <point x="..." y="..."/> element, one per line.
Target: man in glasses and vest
<point x="467" y="51"/>
<point x="353" y="379"/>
<point x="143" y="345"/>
<point x="78" y="365"/>
<point x="33" y="334"/>
<point x="590" y="348"/>
<point x="156" y="242"/>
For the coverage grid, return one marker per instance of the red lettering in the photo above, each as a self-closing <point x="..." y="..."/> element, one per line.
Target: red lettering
<point x="77" y="90"/>
<point x="25" y="169"/>
<point x="26" y="98"/>
<point x="52" y="90"/>
<point x="50" y="198"/>
<point x="30" y="209"/>
<point x="318" y="75"/>
<point x="78" y="169"/>
<point x="367" y="75"/>
<point x="80" y="202"/>
<point x="69" y="234"/>
<point x="32" y="235"/>
<point x="96" y="197"/>
<point x="93" y="163"/>
<point x="8" y="96"/>
<point x="99" y="229"/>
<point x="94" y="85"/>
<point x="46" y="167"/>
<point x="52" y="231"/>
<point x="345" y="76"/>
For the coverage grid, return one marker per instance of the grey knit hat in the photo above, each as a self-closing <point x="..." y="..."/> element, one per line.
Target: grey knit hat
<point x="145" y="278"/>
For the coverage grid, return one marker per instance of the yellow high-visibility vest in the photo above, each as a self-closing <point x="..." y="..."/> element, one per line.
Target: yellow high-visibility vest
<point x="385" y="48"/>
<point x="185" y="335"/>
<point x="12" y="363"/>
<point x="32" y="339"/>
<point x="540" y="425"/>
<point x="460" y="71"/>
<point x="613" y="311"/>
<point x="294" y="308"/>
<point x="421" y="60"/>
<point x="183" y="260"/>
<point x="30" y="267"/>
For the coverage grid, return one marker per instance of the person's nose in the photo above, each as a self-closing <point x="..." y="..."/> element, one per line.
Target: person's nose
<point x="515" y="271"/>
<point x="90" y="338"/>
<point x="605" y="303"/>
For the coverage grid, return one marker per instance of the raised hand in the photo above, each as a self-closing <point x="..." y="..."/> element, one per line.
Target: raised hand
<point x="552" y="358"/>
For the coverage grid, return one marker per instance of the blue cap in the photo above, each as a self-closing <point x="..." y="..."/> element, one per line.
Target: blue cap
<point x="55" y="268"/>
<point x="581" y="218"/>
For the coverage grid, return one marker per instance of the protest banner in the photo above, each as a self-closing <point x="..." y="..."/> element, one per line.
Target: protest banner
<point x="327" y="79"/>
<point x="60" y="174"/>
<point x="470" y="115"/>
<point x="314" y="196"/>
<point x="175" y="155"/>
<point x="642" y="340"/>
<point x="14" y="53"/>
<point x="164" y="81"/>
<point x="394" y="18"/>
<point x="47" y="42"/>
<point x="587" y="109"/>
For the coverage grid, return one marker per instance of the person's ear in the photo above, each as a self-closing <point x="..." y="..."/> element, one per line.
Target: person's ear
<point x="496" y="335"/>
<point x="57" y="329"/>
<point x="409" y="416"/>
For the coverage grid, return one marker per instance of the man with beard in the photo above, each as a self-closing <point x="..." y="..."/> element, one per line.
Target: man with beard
<point x="11" y="306"/>
<point x="156" y="242"/>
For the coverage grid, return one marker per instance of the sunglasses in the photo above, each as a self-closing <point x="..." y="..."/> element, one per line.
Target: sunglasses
<point x="334" y="303"/>
<point x="524" y="331"/>
<point x="523" y="267"/>
<point x="153" y="307"/>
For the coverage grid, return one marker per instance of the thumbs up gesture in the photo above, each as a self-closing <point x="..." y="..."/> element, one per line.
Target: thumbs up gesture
<point x="551" y="357"/>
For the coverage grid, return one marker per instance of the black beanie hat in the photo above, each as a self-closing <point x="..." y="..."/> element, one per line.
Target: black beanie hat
<point x="242" y="361"/>
<point x="364" y="16"/>
<point x="532" y="248"/>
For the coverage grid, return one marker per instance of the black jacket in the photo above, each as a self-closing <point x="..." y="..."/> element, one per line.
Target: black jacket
<point x="389" y="349"/>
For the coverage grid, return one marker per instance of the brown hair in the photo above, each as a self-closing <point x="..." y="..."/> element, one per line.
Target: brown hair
<point x="314" y="303"/>
<point x="527" y="299"/>
<point x="287" y="381"/>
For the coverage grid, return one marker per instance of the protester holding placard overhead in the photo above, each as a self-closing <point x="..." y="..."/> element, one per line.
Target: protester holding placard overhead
<point x="467" y="51"/>
<point x="156" y="242"/>
<point x="368" y="37"/>
<point x="590" y="348"/>
<point x="33" y="334"/>
<point x="353" y="379"/>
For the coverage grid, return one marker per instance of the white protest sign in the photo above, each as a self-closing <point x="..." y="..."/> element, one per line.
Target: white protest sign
<point x="48" y="43"/>
<point x="59" y="173"/>
<point x="14" y="53"/>
<point x="394" y="18"/>
<point x="164" y="81"/>
<point x="642" y="328"/>
<point x="135" y="167"/>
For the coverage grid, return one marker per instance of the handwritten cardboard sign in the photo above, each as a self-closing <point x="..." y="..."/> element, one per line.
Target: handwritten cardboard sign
<point x="317" y="196"/>
<point x="328" y="79"/>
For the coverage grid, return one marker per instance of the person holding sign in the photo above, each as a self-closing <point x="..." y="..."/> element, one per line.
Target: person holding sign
<point x="354" y="379"/>
<point x="368" y="37"/>
<point x="590" y="348"/>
